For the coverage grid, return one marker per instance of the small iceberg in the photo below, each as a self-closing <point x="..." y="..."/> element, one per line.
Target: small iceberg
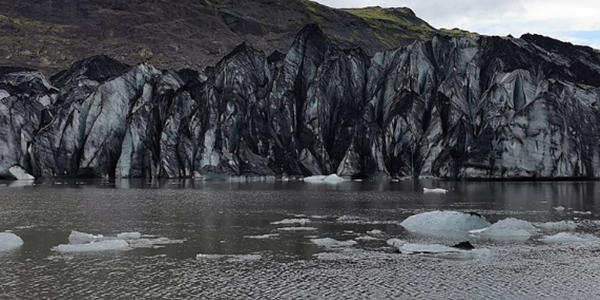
<point x="19" y="173"/>
<point x="85" y="242"/>
<point x="582" y="213"/>
<point x="229" y="257"/>
<point x="434" y="191"/>
<point x="98" y="246"/>
<point x="445" y="224"/>
<point x="561" y="226"/>
<point x="507" y="230"/>
<point x="296" y="229"/>
<point x="79" y="238"/>
<point x="292" y="221"/>
<point x="331" y="179"/>
<point x="152" y="242"/>
<point x="333" y="243"/>
<point x="396" y="243"/>
<point x="129" y="236"/>
<point x="568" y="237"/>
<point x="366" y="238"/>
<point x="459" y="251"/>
<point x="262" y="237"/>
<point x="375" y="232"/>
<point x="9" y="241"/>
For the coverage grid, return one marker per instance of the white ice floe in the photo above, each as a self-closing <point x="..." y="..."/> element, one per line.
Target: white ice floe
<point x="77" y="237"/>
<point x="292" y="221"/>
<point x="350" y="220"/>
<point x="437" y="250"/>
<point x="375" y="232"/>
<point x="568" y="237"/>
<point x="262" y="237"/>
<point x="510" y="229"/>
<point x="361" y="220"/>
<point x="434" y="191"/>
<point x="9" y="241"/>
<point x="229" y="257"/>
<point x="19" y="173"/>
<point x="153" y="242"/>
<point x="296" y="228"/>
<point x="562" y="225"/>
<point x="396" y="243"/>
<point x="129" y="236"/>
<point x="332" y="179"/>
<point x="98" y="246"/>
<point x="333" y="243"/>
<point x="582" y="213"/>
<point x="85" y="242"/>
<point x="451" y="224"/>
<point x="366" y="238"/>
<point x="410" y="248"/>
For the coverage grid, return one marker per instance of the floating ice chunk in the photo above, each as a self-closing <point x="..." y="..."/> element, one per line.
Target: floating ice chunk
<point x="333" y="243"/>
<point x="229" y="257"/>
<point x="77" y="238"/>
<point x="292" y="221"/>
<point x="314" y="178"/>
<point x="444" y="223"/>
<point x="504" y="234"/>
<point x="19" y="173"/>
<point x="559" y="208"/>
<point x="562" y="225"/>
<point x="442" y="251"/>
<point x="375" y="232"/>
<point x="434" y="191"/>
<point x="152" y="242"/>
<point x="332" y="179"/>
<point x="129" y="236"/>
<point x="350" y="220"/>
<point x="109" y="245"/>
<point x="397" y="243"/>
<point x="92" y="243"/>
<point x="262" y="237"/>
<point x="582" y="213"/>
<point x="426" y="248"/>
<point x="297" y="229"/>
<point x="510" y="229"/>
<point x="567" y="237"/>
<point x="9" y="241"/>
<point x="515" y="224"/>
<point x="366" y="238"/>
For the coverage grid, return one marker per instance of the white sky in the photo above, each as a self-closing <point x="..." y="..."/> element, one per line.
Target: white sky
<point x="576" y="21"/>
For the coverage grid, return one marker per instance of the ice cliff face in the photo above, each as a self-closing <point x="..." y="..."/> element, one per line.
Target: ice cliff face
<point x="487" y="107"/>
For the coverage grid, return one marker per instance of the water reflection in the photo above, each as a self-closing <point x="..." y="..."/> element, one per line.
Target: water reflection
<point x="504" y="195"/>
<point x="217" y="217"/>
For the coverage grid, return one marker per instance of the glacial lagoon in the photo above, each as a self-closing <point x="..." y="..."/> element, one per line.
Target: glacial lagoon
<point x="190" y="239"/>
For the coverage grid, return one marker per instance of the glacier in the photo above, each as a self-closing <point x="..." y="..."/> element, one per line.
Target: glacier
<point x="476" y="108"/>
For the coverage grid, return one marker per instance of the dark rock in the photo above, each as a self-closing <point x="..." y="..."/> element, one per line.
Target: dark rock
<point x="464" y="246"/>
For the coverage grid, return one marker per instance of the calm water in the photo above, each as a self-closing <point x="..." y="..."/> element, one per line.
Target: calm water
<point x="267" y="261"/>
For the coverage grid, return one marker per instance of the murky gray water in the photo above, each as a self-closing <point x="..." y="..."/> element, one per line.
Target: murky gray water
<point x="267" y="261"/>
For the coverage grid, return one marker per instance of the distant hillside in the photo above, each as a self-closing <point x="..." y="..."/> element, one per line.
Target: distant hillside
<point x="50" y="35"/>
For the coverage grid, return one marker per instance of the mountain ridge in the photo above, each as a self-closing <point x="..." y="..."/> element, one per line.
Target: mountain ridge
<point x="51" y="35"/>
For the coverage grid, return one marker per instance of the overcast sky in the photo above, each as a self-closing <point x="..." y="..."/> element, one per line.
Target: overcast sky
<point x="576" y="21"/>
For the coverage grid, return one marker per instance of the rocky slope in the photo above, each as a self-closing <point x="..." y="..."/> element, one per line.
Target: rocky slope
<point x="484" y="107"/>
<point x="50" y="35"/>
